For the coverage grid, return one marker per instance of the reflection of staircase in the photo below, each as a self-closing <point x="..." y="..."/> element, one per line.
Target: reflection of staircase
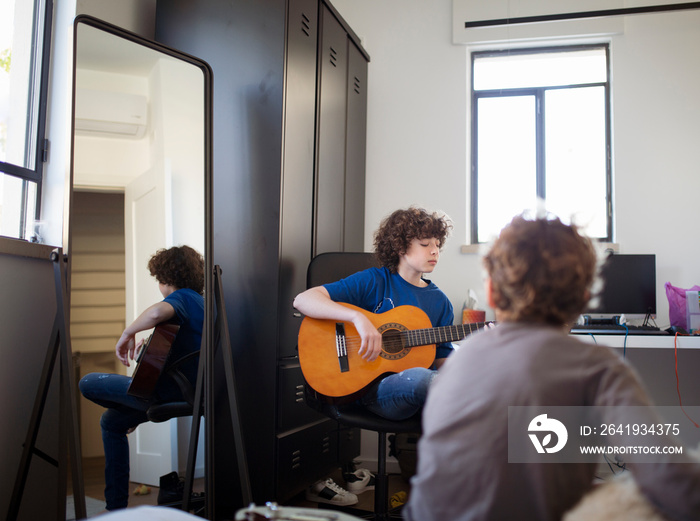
<point x="97" y="316"/>
<point x="97" y="276"/>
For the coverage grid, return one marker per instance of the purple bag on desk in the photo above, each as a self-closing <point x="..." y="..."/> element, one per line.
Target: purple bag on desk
<point x="676" y="304"/>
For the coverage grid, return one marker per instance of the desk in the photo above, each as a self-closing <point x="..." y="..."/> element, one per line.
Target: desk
<point x="654" y="359"/>
<point x="642" y="341"/>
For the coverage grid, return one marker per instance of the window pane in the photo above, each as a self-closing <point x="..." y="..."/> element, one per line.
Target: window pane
<point x="544" y="69"/>
<point x="506" y="161"/>
<point x="19" y="81"/>
<point x="17" y="200"/>
<point x="575" y="157"/>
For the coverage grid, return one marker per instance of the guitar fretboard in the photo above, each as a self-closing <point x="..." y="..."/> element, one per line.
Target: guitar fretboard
<point x="439" y="335"/>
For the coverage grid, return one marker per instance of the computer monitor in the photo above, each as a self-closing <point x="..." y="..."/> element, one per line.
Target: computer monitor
<point x="629" y="287"/>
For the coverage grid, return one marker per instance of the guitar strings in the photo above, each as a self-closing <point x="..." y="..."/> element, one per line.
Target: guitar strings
<point x="354" y="341"/>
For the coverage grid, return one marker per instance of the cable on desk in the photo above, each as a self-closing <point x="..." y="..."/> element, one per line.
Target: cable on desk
<point x="647" y="319"/>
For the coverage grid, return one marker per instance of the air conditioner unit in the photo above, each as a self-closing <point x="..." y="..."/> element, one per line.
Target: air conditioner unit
<point x="110" y="114"/>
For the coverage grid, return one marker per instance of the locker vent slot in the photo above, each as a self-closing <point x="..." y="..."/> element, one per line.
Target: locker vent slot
<point x="305" y="25"/>
<point x="356" y="85"/>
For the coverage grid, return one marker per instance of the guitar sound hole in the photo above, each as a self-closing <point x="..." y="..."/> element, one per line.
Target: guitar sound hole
<point x="392" y="342"/>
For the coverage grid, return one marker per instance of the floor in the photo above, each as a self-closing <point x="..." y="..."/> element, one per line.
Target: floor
<point x="93" y="478"/>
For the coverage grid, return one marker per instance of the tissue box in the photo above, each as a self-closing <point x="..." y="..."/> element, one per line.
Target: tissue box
<point x="692" y="303"/>
<point x="474" y="316"/>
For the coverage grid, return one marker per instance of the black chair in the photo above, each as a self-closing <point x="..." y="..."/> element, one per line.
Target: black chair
<point x="161" y="412"/>
<point x="329" y="267"/>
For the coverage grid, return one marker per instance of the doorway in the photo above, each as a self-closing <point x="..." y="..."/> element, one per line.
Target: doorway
<point x="98" y="297"/>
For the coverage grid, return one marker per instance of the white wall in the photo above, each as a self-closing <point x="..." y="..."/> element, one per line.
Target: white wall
<point x="416" y="122"/>
<point x="418" y="119"/>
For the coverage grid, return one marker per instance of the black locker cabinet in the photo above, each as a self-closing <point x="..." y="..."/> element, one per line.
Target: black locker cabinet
<point x="289" y="167"/>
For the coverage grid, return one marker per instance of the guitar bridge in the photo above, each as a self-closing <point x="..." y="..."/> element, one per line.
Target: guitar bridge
<point x="341" y="347"/>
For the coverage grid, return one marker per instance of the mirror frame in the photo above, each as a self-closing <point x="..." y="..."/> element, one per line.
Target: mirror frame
<point x="209" y="313"/>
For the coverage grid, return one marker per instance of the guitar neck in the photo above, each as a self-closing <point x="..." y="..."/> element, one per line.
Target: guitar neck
<point x="439" y="335"/>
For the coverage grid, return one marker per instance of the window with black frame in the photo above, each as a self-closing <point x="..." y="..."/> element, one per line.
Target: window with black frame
<point x="541" y="131"/>
<point x="25" y="27"/>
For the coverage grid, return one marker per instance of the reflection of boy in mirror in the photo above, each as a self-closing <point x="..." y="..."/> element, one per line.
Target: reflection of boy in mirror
<point x="180" y="275"/>
<point x="539" y="275"/>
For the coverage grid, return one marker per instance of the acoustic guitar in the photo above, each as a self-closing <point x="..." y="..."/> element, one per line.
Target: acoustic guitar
<point x="151" y="360"/>
<point x="328" y="350"/>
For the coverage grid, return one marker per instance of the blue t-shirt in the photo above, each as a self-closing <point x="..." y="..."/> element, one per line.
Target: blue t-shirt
<point x="378" y="290"/>
<point x="189" y="315"/>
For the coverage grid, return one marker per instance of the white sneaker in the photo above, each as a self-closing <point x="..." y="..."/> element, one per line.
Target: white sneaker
<point x="327" y="491"/>
<point x="359" y="481"/>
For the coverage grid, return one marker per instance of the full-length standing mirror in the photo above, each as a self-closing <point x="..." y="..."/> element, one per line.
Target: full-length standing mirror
<point x="141" y="181"/>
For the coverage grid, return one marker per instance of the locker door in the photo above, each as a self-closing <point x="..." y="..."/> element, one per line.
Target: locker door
<point x="355" y="151"/>
<point x="298" y="167"/>
<point x="330" y="173"/>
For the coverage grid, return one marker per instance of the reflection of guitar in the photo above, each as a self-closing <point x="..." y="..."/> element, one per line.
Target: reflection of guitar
<point x="151" y="360"/>
<point x="328" y="349"/>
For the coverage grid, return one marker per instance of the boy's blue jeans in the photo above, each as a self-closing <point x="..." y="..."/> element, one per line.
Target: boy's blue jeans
<point x="123" y="413"/>
<point x="401" y="395"/>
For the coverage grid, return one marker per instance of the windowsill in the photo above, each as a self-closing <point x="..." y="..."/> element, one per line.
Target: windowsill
<point x="477" y="248"/>
<point x="472" y="248"/>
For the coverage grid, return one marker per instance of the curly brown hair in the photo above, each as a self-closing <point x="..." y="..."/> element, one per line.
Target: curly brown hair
<point x="541" y="270"/>
<point x="395" y="233"/>
<point x="179" y="266"/>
